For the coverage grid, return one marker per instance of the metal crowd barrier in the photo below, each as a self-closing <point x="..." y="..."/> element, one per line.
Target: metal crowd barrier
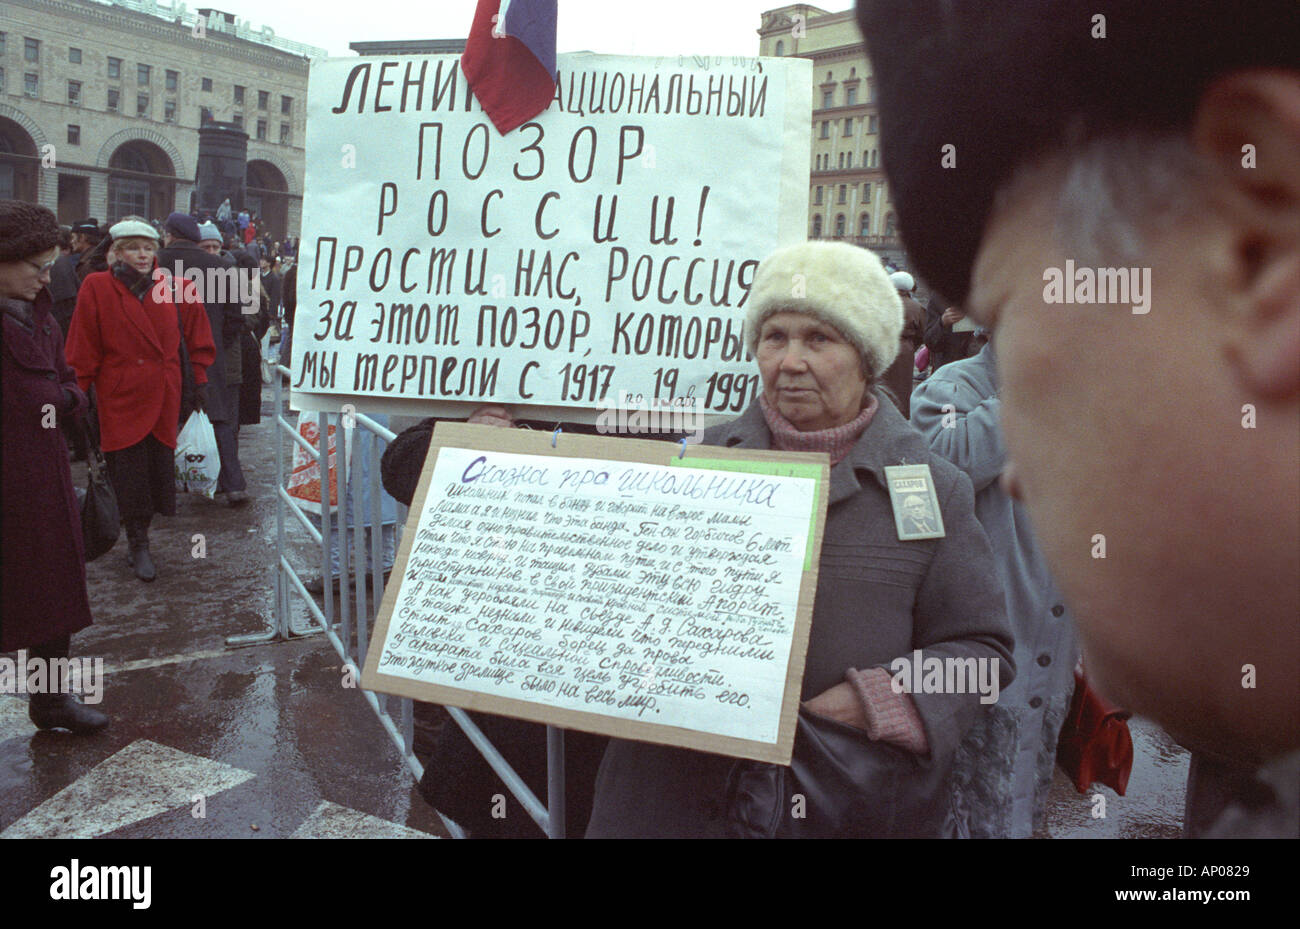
<point x="550" y="818"/>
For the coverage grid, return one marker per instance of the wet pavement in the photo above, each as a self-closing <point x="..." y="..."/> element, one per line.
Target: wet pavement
<point x="263" y="741"/>
<point x="266" y="741"/>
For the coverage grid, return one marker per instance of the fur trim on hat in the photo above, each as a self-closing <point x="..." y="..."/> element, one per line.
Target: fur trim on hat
<point x="842" y="285"/>
<point x="25" y="230"/>
<point x="133" y="228"/>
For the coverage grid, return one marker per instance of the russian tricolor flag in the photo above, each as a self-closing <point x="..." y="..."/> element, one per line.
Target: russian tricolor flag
<point x="512" y="70"/>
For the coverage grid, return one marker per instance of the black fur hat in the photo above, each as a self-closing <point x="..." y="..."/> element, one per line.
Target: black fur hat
<point x="1005" y="82"/>
<point x="25" y="230"/>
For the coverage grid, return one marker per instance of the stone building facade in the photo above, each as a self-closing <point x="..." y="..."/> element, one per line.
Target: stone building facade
<point x="848" y="193"/>
<point x="101" y="102"/>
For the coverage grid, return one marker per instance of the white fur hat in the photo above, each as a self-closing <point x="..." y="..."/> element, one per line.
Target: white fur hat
<point x="133" y="228"/>
<point x="842" y="285"/>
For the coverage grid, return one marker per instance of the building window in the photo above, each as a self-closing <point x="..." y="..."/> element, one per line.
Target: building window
<point x="817" y="227"/>
<point x="74" y="93"/>
<point x="873" y="158"/>
<point x="848" y="127"/>
<point x="112" y="100"/>
<point x="74" y="56"/>
<point x="864" y="225"/>
<point x="850" y="95"/>
<point x="286" y="103"/>
<point x="207" y="85"/>
<point x="866" y="158"/>
<point x="205" y="115"/>
<point x="284" y="133"/>
<point x="261" y="130"/>
<point x="826" y="129"/>
<point x="142" y="74"/>
<point x="173" y="79"/>
<point x="263" y="98"/>
<point x="841" y="162"/>
<point x="780" y="47"/>
<point x="237" y="120"/>
<point x="115" y="69"/>
<point x="169" y="111"/>
<point x="2" y="85"/>
<point x="828" y="98"/>
<point x="142" y="105"/>
<point x="844" y="193"/>
<point x="239" y="94"/>
<point x="871" y="90"/>
<point x="31" y="50"/>
<point x="866" y="191"/>
<point x="839" y="226"/>
<point x="31" y="84"/>
<point x="817" y="199"/>
<point x="889" y="224"/>
<point x="2" y="42"/>
<point x="873" y="124"/>
<point x="74" y="135"/>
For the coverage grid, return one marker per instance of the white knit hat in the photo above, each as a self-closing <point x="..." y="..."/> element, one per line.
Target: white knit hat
<point x="133" y="228"/>
<point x="842" y="285"/>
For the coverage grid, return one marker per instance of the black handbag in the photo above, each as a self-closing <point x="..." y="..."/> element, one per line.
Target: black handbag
<point x="101" y="521"/>
<point x="839" y="784"/>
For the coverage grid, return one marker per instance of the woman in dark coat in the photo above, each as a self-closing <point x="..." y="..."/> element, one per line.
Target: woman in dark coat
<point x="125" y="339"/>
<point x="883" y="592"/>
<point x="44" y="567"/>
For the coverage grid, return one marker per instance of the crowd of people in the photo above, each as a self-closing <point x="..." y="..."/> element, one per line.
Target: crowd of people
<point x="1115" y="489"/>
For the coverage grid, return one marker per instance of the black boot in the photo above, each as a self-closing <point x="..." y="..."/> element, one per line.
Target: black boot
<point x="64" y="711"/>
<point x="56" y="709"/>
<point x="137" y="534"/>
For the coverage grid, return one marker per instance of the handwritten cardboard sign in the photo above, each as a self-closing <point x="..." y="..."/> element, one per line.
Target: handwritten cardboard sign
<point x="607" y="585"/>
<point x="600" y="254"/>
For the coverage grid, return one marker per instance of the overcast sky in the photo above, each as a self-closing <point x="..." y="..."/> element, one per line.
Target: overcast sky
<point x="663" y="27"/>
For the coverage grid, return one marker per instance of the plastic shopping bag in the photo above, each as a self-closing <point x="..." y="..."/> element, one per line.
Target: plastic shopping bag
<point x="198" y="463"/>
<point x="304" y="480"/>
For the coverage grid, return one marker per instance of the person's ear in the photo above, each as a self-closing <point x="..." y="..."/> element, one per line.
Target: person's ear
<point x="1248" y="126"/>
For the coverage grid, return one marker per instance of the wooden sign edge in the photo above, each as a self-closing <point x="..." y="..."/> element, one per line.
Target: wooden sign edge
<point x="535" y="442"/>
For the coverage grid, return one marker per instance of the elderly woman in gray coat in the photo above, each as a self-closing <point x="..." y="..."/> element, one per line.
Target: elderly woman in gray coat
<point x="823" y="322"/>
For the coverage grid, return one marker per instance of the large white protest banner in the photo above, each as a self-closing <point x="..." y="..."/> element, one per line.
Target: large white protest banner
<point x="601" y="252"/>
<point x="608" y="585"/>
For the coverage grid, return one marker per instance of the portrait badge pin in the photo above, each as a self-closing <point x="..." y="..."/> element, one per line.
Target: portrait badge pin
<point x="916" y="506"/>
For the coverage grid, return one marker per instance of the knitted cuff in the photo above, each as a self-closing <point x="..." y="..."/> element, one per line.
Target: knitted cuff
<point x="891" y="717"/>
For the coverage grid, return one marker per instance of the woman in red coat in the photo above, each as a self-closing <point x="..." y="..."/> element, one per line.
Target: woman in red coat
<point x="125" y="339"/>
<point x="44" y="566"/>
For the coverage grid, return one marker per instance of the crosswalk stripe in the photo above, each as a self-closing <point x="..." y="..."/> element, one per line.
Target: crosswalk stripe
<point x="331" y="821"/>
<point x="142" y="780"/>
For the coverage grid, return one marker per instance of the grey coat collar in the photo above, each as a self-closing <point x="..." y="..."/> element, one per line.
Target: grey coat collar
<point x="889" y="440"/>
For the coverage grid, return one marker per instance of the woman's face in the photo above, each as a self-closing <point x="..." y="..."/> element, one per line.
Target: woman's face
<point x="137" y="253"/>
<point x="811" y="374"/>
<point x="23" y="278"/>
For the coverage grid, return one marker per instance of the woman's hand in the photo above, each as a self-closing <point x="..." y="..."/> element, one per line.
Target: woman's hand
<point x="841" y="704"/>
<point x="493" y="416"/>
<point x="951" y="317"/>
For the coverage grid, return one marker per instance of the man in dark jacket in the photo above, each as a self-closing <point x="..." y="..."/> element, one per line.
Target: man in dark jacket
<point x="64" y="284"/>
<point x="212" y="275"/>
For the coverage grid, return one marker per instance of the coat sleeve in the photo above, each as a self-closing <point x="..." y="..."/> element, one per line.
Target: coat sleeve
<point x="68" y="381"/>
<point x="198" y="334"/>
<point x="961" y="613"/>
<point x="84" y="351"/>
<point x="972" y="440"/>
